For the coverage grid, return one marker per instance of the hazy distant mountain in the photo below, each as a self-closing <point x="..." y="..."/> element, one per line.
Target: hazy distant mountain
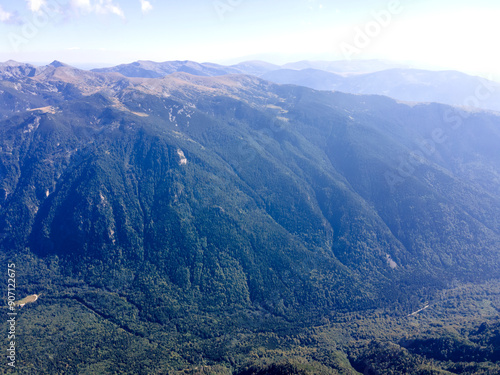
<point x="313" y="78"/>
<point x="412" y="85"/>
<point x="256" y="68"/>
<point x="150" y="69"/>
<point x="231" y="222"/>
<point x="344" y="66"/>
<point x="448" y="87"/>
<point x="356" y="77"/>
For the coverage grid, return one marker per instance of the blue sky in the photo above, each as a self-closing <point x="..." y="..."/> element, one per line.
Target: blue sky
<point x="433" y="34"/>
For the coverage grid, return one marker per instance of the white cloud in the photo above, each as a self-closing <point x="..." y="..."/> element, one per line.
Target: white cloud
<point x="98" y="7"/>
<point x="146" y="6"/>
<point x="107" y="6"/>
<point x="35" y="5"/>
<point x="5" y="16"/>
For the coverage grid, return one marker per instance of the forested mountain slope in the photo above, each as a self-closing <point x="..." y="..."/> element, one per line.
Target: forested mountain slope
<point x="186" y="211"/>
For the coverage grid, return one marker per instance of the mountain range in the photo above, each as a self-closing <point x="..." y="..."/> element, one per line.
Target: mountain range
<point x="370" y="77"/>
<point x="186" y="218"/>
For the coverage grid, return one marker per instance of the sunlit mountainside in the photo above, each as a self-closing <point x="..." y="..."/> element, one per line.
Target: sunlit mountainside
<point x="178" y="215"/>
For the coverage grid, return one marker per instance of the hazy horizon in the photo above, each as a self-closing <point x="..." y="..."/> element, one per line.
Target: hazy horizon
<point x="440" y="35"/>
<point x="390" y="65"/>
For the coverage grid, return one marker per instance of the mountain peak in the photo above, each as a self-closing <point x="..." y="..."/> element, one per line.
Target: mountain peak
<point x="57" y="64"/>
<point x="12" y="63"/>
